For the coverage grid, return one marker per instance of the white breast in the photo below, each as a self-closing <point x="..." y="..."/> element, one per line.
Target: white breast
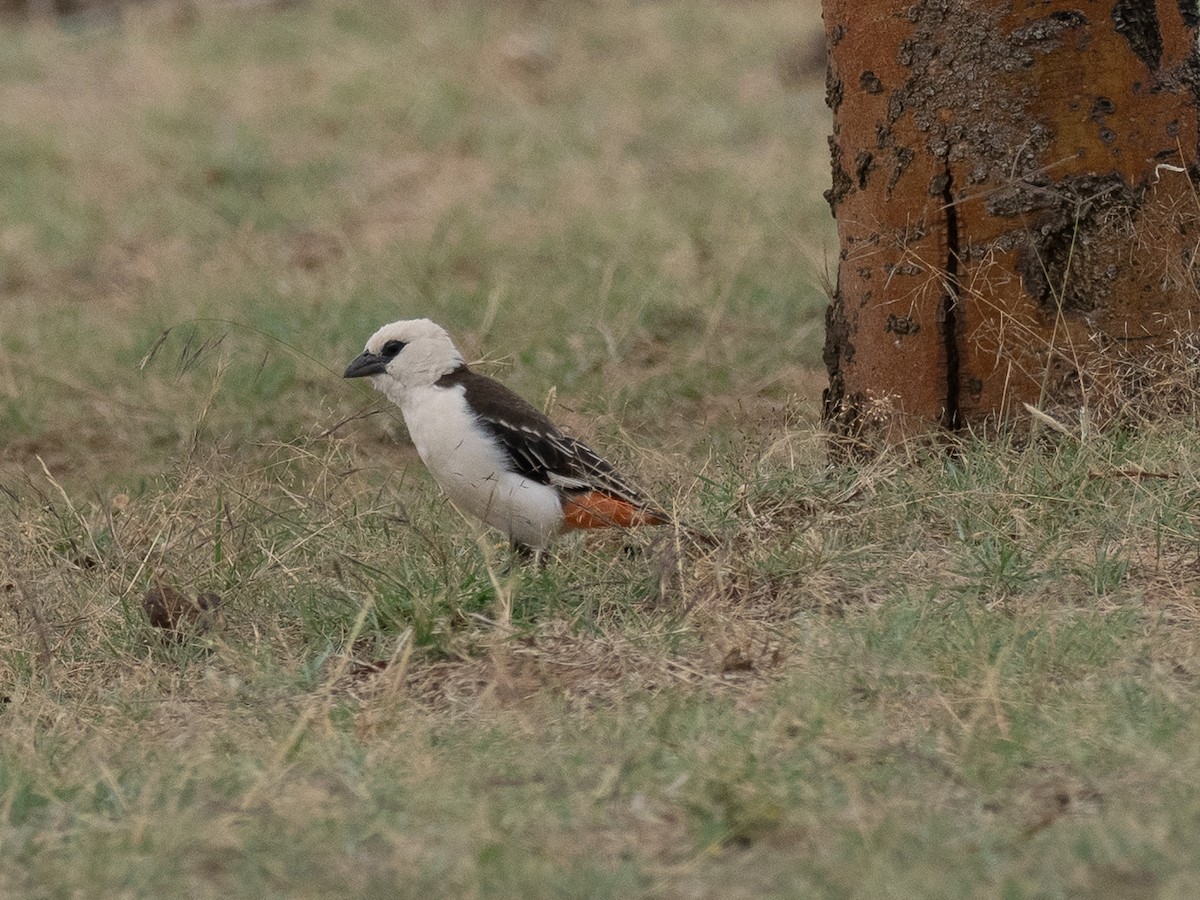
<point x="471" y="468"/>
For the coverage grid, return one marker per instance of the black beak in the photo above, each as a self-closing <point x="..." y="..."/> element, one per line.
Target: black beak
<point x="366" y="364"/>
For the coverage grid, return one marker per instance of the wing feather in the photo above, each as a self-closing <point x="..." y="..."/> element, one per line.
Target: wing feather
<point x="536" y="447"/>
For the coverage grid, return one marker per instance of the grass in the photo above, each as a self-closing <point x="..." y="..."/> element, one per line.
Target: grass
<point x="933" y="674"/>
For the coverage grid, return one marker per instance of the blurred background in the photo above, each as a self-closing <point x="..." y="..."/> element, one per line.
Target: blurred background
<point x="206" y="208"/>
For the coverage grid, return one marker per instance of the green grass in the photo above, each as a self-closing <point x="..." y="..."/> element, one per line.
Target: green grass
<point x="931" y="674"/>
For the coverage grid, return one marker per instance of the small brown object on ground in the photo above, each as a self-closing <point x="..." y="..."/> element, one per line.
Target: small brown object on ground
<point x="178" y="614"/>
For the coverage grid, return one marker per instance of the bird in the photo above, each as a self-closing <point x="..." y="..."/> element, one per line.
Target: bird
<point x="491" y="452"/>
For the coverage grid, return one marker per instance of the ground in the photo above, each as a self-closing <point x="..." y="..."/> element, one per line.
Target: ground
<point x="942" y="672"/>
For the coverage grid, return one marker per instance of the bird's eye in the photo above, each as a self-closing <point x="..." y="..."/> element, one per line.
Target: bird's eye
<point x="391" y="348"/>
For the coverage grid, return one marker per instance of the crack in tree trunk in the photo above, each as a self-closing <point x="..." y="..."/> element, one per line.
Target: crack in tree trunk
<point x="950" y="305"/>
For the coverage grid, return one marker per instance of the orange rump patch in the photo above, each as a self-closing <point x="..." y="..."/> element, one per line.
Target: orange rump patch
<point x="597" y="510"/>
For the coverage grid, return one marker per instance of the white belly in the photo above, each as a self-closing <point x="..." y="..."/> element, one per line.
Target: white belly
<point x="472" y="470"/>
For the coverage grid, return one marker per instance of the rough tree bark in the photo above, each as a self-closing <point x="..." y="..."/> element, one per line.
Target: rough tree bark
<point x="1009" y="200"/>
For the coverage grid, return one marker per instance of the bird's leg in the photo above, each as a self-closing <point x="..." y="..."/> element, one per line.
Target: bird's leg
<point x="526" y="554"/>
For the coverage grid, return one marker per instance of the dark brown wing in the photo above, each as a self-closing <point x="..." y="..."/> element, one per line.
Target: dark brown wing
<point x="536" y="447"/>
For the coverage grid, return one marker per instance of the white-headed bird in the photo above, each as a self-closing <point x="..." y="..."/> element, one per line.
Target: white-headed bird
<point x="495" y="455"/>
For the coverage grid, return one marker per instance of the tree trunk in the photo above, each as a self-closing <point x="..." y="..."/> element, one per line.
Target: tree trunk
<point x="1014" y="190"/>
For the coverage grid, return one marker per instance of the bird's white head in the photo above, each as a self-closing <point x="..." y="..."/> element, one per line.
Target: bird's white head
<point x="406" y="355"/>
